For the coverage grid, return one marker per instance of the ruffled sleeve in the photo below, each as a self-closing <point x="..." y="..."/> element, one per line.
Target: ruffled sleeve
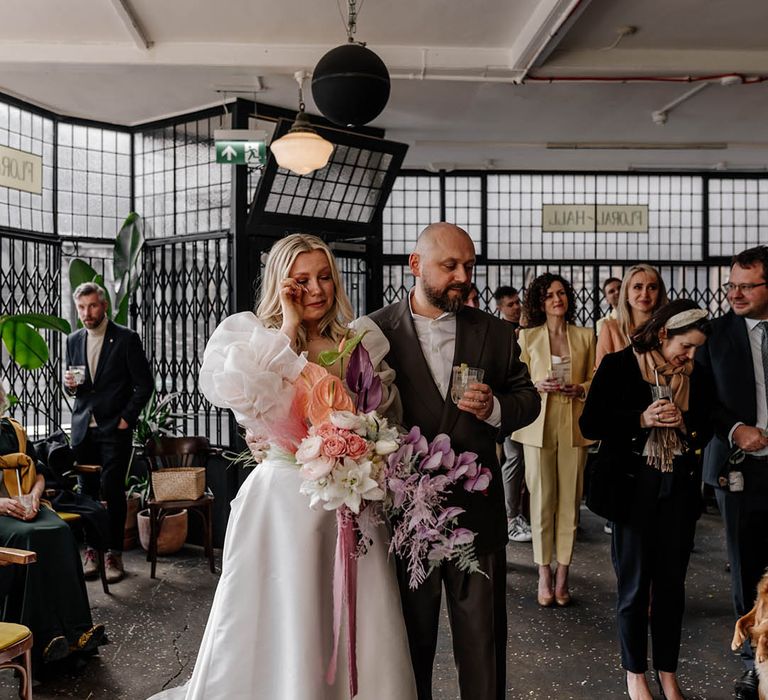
<point x="377" y="345"/>
<point x="250" y="370"/>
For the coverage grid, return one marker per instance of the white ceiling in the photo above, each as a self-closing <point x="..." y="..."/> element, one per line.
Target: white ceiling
<point x="483" y="84"/>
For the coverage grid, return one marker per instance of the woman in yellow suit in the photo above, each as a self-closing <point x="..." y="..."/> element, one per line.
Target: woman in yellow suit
<point x="560" y="358"/>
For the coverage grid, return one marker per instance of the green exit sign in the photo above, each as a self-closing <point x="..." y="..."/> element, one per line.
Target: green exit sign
<point x="251" y="153"/>
<point x="241" y="146"/>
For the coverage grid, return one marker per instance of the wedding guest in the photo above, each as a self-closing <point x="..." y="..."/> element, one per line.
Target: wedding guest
<point x="473" y="298"/>
<point x="649" y="445"/>
<point x="736" y="357"/>
<point x="642" y="292"/>
<point x="561" y="358"/>
<point x="513" y="467"/>
<point x="509" y="305"/>
<point x="611" y="288"/>
<point x="426" y="330"/>
<point x="52" y="592"/>
<point x="114" y="387"/>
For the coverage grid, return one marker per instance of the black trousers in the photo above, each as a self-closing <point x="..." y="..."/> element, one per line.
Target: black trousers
<point x="745" y="514"/>
<point x="112" y="450"/>
<point x="477" y="614"/>
<point x="652" y="560"/>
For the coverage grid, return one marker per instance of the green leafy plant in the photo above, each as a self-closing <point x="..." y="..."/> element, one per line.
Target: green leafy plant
<point x="23" y="340"/>
<point x="139" y="486"/>
<point x="156" y="419"/>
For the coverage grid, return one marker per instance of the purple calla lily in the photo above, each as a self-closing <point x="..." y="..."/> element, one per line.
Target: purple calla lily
<point x="363" y="381"/>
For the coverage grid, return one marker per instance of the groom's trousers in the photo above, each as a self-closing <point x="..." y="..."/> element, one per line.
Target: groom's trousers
<point x="477" y="613"/>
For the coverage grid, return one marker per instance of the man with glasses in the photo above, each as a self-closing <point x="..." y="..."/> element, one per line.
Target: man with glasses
<point x="736" y="460"/>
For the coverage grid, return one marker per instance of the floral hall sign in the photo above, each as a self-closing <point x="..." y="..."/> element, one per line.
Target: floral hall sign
<point x="595" y="218"/>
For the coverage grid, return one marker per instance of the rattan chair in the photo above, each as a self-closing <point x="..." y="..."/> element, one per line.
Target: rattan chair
<point x="175" y="452"/>
<point x="16" y="640"/>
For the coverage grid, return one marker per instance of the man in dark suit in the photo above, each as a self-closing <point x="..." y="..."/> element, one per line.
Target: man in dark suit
<point x="429" y="332"/>
<point x="110" y="390"/>
<point x="736" y="355"/>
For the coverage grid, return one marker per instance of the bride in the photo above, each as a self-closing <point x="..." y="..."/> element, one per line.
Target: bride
<point x="270" y="630"/>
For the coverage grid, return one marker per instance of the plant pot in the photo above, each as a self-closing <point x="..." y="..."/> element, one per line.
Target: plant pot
<point x="173" y="530"/>
<point x="131" y="537"/>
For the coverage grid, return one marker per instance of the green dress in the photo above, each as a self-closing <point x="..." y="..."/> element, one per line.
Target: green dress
<point x="48" y="596"/>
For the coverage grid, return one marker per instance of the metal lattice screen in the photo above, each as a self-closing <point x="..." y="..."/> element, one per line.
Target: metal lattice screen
<point x="30" y="282"/>
<point x="184" y="296"/>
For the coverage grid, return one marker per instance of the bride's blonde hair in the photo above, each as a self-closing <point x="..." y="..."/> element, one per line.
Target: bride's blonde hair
<point x="279" y="262"/>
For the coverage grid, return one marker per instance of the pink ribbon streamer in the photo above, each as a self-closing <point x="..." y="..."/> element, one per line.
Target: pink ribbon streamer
<point x="345" y="595"/>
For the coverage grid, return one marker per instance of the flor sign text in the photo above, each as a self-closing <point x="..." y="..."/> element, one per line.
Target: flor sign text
<point x="20" y="170"/>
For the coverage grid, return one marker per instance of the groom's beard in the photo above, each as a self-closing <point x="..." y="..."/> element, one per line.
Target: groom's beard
<point x="442" y="300"/>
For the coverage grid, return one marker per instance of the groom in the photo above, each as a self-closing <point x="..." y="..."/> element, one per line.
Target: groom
<point x="429" y="332"/>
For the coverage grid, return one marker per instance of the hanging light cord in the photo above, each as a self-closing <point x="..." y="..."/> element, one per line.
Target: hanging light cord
<point x="350" y="22"/>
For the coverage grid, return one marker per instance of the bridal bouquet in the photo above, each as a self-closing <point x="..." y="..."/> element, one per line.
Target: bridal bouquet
<point x="343" y="462"/>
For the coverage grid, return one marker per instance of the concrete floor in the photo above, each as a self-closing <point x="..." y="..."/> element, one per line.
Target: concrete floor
<point x="155" y="627"/>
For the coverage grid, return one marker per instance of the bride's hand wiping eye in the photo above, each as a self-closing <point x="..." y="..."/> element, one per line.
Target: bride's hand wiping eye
<point x="291" y="305"/>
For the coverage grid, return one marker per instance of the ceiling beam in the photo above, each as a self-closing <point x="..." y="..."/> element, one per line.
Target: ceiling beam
<point x="131" y="21"/>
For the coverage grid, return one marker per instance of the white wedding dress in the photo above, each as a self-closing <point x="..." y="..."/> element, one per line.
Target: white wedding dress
<point x="270" y="631"/>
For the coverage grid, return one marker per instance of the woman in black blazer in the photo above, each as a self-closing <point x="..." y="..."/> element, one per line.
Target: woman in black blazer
<point x="649" y="447"/>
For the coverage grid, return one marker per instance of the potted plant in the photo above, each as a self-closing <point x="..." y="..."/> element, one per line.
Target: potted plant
<point x="156" y="420"/>
<point x="137" y="493"/>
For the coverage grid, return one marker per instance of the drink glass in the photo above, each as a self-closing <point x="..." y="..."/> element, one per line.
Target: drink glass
<point x="77" y="372"/>
<point x="25" y="501"/>
<point x="462" y="377"/>
<point x="661" y="393"/>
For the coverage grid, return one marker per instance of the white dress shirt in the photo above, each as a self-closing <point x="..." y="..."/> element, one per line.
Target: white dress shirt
<point x="755" y="334"/>
<point x="437" y="337"/>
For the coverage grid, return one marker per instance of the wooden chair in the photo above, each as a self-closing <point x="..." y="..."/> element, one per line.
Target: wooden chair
<point x="174" y="452"/>
<point x="16" y="640"/>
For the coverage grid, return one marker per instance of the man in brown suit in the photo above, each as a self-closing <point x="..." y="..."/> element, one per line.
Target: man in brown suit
<point x="429" y="332"/>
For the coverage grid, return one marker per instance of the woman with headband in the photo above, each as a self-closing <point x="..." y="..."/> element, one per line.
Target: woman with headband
<point x="651" y="413"/>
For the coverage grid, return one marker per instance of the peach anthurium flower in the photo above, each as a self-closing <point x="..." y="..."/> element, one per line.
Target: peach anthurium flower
<point x="310" y="375"/>
<point x="328" y="395"/>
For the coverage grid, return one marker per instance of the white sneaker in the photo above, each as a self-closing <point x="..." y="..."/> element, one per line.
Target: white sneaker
<point x="519" y="530"/>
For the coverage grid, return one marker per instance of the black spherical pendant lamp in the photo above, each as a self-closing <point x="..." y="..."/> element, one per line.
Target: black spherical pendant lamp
<point x="350" y="85"/>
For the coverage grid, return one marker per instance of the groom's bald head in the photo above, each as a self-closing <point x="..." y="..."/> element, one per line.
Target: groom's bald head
<point x="442" y="263"/>
<point x="445" y="236"/>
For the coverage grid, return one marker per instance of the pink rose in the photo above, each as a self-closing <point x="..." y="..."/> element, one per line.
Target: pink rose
<point x="334" y="446"/>
<point x="325" y="430"/>
<point x="356" y="446"/>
